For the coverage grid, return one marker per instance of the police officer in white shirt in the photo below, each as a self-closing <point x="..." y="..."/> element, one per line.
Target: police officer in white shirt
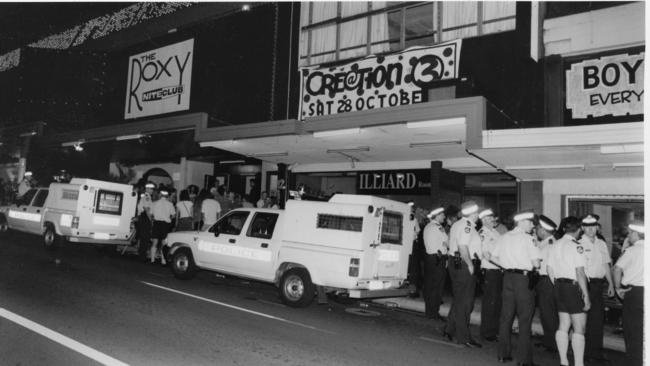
<point x="162" y="211"/>
<point x="598" y="270"/>
<point x="492" y="278"/>
<point x="566" y="269"/>
<point x="628" y="281"/>
<point x="517" y="253"/>
<point x="464" y="242"/>
<point x="544" y="289"/>
<point x="436" y="244"/>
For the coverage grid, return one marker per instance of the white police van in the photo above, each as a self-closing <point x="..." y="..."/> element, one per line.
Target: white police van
<point x="84" y="210"/>
<point x="353" y="244"/>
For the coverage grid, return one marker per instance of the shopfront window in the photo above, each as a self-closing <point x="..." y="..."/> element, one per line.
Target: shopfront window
<point x="334" y="31"/>
<point x="615" y="214"/>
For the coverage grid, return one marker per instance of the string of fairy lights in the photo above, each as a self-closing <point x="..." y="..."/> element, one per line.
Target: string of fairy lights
<point x="96" y="28"/>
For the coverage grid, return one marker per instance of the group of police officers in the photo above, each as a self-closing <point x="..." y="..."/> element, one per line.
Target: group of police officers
<point x="567" y="267"/>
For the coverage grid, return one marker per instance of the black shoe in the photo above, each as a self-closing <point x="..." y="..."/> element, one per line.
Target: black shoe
<point x="491" y="339"/>
<point x="436" y="317"/>
<point x="472" y="344"/>
<point x="527" y="364"/>
<point x="504" y="359"/>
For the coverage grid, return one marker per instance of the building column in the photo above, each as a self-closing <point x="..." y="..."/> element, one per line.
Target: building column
<point x="436" y="194"/>
<point x="283" y="184"/>
<point x="530" y="195"/>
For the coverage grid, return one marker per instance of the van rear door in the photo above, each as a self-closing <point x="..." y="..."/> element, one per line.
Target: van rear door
<point x="389" y="253"/>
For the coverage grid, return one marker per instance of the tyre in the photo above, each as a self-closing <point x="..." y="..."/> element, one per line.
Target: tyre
<point x="51" y="239"/>
<point x="182" y="264"/>
<point x="296" y="288"/>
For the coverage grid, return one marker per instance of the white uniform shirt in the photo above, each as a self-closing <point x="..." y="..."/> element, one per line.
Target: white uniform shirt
<point x="516" y="250"/>
<point x="596" y="254"/>
<point x="565" y="256"/>
<point x="463" y="233"/>
<point x="435" y="238"/>
<point x="631" y="262"/>
<point x="163" y="210"/>
<point x="185" y="208"/>
<point x="545" y="247"/>
<point x="489" y="238"/>
<point x="210" y="209"/>
<point x="145" y="202"/>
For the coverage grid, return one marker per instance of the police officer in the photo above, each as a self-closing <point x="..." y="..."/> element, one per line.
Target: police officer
<point x="566" y="269"/>
<point x="464" y="242"/>
<point x="598" y="270"/>
<point x="492" y="278"/>
<point x="517" y="253"/>
<point x="544" y="288"/>
<point x="145" y="219"/>
<point x="436" y="243"/>
<point x="628" y="281"/>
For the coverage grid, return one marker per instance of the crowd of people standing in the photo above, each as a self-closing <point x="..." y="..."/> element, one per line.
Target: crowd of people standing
<point x="160" y="210"/>
<point x="565" y="270"/>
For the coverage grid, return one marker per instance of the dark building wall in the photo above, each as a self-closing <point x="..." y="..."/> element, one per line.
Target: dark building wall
<point x="233" y="75"/>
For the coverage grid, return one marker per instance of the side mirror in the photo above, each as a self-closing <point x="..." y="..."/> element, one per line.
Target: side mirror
<point x="216" y="233"/>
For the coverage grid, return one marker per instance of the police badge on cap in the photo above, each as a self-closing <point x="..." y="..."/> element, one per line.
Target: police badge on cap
<point x="590" y="220"/>
<point x="547" y="224"/>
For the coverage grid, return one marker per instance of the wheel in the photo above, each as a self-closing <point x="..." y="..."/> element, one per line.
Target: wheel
<point x="183" y="265"/>
<point x="50" y="238"/>
<point x="296" y="288"/>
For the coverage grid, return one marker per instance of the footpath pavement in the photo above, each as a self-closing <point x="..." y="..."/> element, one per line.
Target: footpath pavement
<point x="611" y="341"/>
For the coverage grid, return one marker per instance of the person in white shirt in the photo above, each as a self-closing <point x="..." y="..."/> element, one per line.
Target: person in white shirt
<point x="517" y="253"/>
<point x="599" y="274"/>
<point x="464" y="242"/>
<point x="436" y="245"/>
<point x="25" y="184"/>
<point x="162" y="211"/>
<point x="492" y="278"/>
<point x="566" y="269"/>
<point x="628" y="272"/>
<point x="544" y="288"/>
<point x="210" y="211"/>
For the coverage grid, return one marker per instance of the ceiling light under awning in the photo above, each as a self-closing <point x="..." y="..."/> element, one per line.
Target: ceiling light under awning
<point x="434" y="143"/>
<point x="457" y="121"/>
<point x="343" y="132"/>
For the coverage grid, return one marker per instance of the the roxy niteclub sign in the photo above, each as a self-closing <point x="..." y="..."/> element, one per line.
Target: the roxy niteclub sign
<point x="377" y="81"/>
<point x="609" y="85"/>
<point x="159" y="81"/>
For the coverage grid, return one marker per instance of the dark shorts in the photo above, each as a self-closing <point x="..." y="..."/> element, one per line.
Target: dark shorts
<point x="568" y="298"/>
<point x="160" y="230"/>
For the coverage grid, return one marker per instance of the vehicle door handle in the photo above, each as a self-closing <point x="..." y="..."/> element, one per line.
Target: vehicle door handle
<point x="232" y="241"/>
<point x="265" y="245"/>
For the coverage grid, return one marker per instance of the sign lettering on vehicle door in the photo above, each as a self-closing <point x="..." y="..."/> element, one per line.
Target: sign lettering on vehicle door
<point x="235" y="251"/>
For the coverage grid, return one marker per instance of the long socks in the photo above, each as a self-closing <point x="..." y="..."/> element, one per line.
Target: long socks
<point x="578" y="346"/>
<point x="562" y="340"/>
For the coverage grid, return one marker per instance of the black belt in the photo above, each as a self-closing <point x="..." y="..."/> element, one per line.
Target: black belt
<point x="595" y="279"/>
<point x="543" y="276"/>
<point x="518" y="271"/>
<point x="566" y="280"/>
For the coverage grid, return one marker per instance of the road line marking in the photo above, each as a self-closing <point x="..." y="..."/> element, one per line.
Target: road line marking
<point x="441" y="342"/>
<point x="238" y="308"/>
<point x="61" y="339"/>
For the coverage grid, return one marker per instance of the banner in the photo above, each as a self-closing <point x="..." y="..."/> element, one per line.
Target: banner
<point x="377" y="81"/>
<point x="159" y="81"/>
<point x="607" y="85"/>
